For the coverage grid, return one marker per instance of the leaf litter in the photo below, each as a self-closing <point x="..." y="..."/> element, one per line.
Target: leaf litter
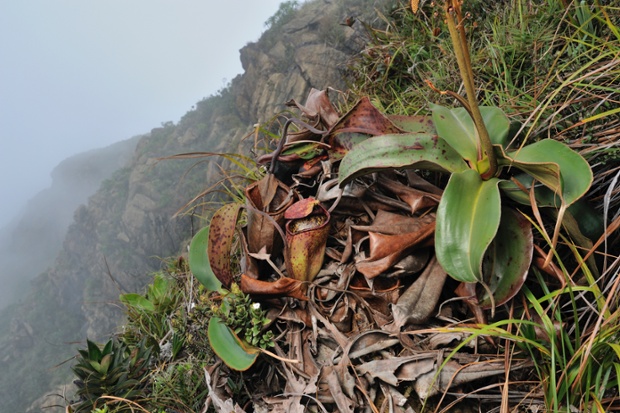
<point x="367" y="322"/>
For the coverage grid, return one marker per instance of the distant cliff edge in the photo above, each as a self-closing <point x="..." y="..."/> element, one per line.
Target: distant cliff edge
<point x="29" y="244"/>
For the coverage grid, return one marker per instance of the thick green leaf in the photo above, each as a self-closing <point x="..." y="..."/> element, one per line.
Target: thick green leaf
<point x="138" y="301"/>
<point x="409" y="150"/>
<point x="544" y="196"/>
<point x="508" y="258"/>
<point x="468" y="217"/>
<point x="415" y="123"/>
<point x="199" y="261"/>
<point x="497" y="124"/>
<point x="591" y="222"/>
<point x="105" y="364"/>
<point x="457" y="128"/>
<point x="94" y="352"/>
<point x="556" y="165"/>
<point x="229" y="347"/>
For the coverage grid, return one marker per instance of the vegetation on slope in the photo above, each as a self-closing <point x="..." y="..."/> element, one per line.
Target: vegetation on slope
<point x="552" y="67"/>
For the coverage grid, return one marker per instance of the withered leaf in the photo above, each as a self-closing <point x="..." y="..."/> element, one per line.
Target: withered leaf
<point x="222" y="402"/>
<point x="415" y="198"/>
<point x="282" y="287"/>
<point x="454" y="374"/>
<point x="417" y="304"/>
<point x="369" y="342"/>
<point x="365" y="118"/>
<point x="360" y="123"/>
<point x="319" y="107"/>
<point x="386" y="250"/>
<point x="395" y="224"/>
<point x="386" y="369"/>
<point x="267" y="198"/>
<point x="344" y="403"/>
<point x="412" y="263"/>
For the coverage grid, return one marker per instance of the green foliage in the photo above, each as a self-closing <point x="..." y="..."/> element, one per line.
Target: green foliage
<point x="580" y="362"/>
<point x="470" y="211"/>
<point x="549" y="65"/>
<point x="229" y="347"/>
<point x="179" y="386"/>
<point x="467" y="222"/>
<point x="245" y="318"/>
<point x="115" y="370"/>
<point x="199" y="261"/>
<point x="174" y="317"/>
<point x="284" y="14"/>
<point x="236" y="329"/>
<point x="520" y="44"/>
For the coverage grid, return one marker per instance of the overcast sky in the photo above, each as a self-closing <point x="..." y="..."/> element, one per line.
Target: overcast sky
<point x="82" y="74"/>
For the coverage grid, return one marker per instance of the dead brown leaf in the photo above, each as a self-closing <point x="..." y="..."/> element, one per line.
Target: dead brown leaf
<point x="272" y="198"/>
<point x="417" y="304"/>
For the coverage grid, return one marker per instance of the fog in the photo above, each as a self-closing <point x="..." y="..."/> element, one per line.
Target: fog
<point x="82" y="74"/>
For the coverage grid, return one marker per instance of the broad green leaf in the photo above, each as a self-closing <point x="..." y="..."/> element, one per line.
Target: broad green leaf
<point x="570" y="179"/>
<point x="457" y="128"/>
<point x="415" y="123"/>
<point x="468" y="217"/>
<point x="590" y="221"/>
<point x="547" y="173"/>
<point x="508" y="258"/>
<point x="409" y="150"/>
<point x="544" y="196"/>
<point x="229" y="347"/>
<point x="199" y="261"/>
<point x="108" y="347"/>
<point x="137" y="301"/>
<point x="555" y="165"/>
<point x="221" y="233"/>
<point x="497" y="124"/>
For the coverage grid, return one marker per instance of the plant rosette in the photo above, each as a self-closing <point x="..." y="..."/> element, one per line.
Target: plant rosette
<point x="477" y="238"/>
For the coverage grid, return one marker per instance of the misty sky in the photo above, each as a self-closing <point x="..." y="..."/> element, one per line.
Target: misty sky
<point x="82" y="74"/>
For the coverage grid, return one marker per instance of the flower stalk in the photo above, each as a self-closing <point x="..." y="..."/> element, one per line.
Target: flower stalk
<point x="454" y="19"/>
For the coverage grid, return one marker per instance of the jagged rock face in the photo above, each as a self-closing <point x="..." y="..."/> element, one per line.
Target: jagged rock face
<point x="116" y="240"/>
<point x="311" y="50"/>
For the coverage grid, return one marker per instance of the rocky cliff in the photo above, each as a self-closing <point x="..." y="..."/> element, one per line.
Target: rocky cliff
<point x="30" y="243"/>
<point x="117" y="239"/>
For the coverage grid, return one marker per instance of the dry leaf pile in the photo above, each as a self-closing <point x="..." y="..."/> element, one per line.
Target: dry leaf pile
<point x="362" y="311"/>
